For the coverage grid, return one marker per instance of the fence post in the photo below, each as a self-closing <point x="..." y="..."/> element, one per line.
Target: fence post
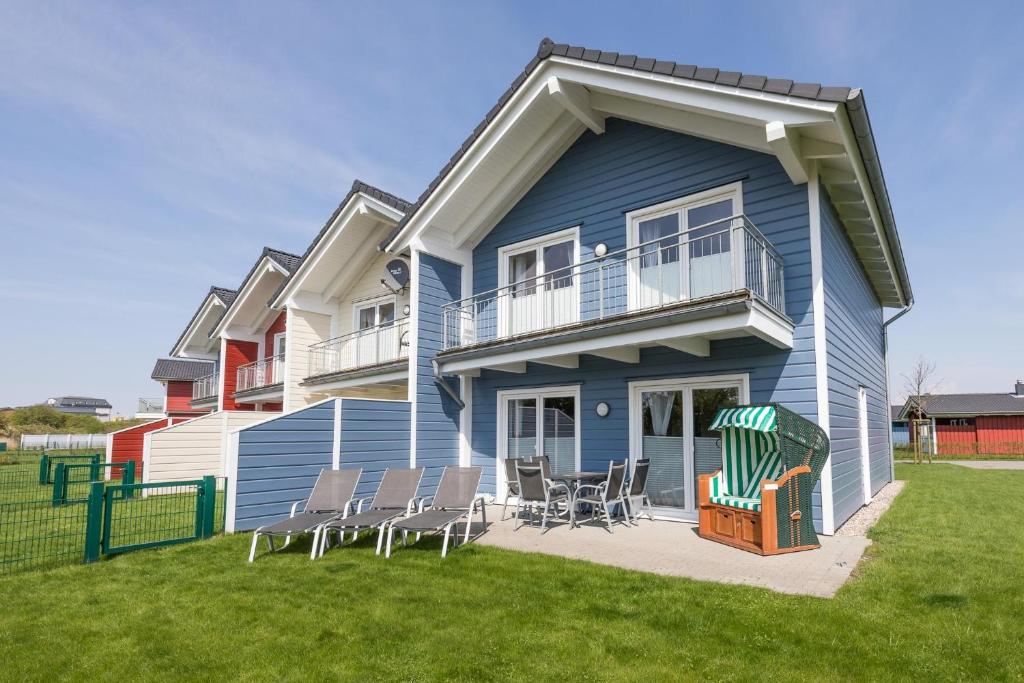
<point x="44" y="468"/>
<point x="128" y="477"/>
<point x="94" y="521"/>
<point x="59" y="478"/>
<point x="209" y="503"/>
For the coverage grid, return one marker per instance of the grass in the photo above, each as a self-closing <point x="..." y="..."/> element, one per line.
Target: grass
<point x="938" y="598"/>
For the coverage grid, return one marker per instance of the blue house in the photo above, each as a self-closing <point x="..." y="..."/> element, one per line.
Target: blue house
<point x="625" y="245"/>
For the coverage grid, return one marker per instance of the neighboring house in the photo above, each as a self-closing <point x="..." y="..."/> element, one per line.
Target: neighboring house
<point x="969" y="424"/>
<point x="347" y="316"/>
<point x="81" y="405"/>
<point x="622" y="247"/>
<point x="252" y="337"/>
<point x="176" y="376"/>
<point x="195" y="343"/>
<point x="900" y="427"/>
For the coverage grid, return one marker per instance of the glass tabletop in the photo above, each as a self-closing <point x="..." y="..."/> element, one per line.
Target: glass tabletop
<point x="580" y="476"/>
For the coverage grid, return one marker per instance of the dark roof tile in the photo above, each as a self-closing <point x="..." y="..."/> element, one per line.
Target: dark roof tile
<point x="969" y="405"/>
<point x="608" y="57"/>
<point x="590" y="55"/>
<point x="663" y="67"/>
<point x="778" y="85"/>
<point x="226" y="296"/>
<point x="806" y="90"/>
<point x="706" y="74"/>
<point x="626" y="60"/>
<point x="574" y="52"/>
<point x="171" y="369"/>
<point x="684" y="70"/>
<point x="728" y="78"/>
<point x="644" y="64"/>
<point x="752" y="82"/>
<point x="831" y="93"/>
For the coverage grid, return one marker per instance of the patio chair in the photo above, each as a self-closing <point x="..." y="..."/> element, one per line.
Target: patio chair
<point x="536" y="490"/>
<point x="395" y="497"/>
<point x="331" y="497"/>
<point x="511" y="482"/>
<point x="456" y="498"/>
<point x="636" y="494"/>
<point x="603" y="496"/>
<point x="761" y="498"/>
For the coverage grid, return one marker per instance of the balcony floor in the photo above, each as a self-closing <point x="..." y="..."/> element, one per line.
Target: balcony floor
<point x="687" y="326"/>
<point x="271" y="392"/>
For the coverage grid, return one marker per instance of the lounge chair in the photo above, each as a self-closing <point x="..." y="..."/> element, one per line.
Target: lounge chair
<point x="535" y="490"/>
<point x="395" y="497"/>
<point x="331" y="497"/>
<point x="456" y="498"/>
<point x="511" y="482"/>
<point x="602" y="496"/>
<point x="637" y="499"/>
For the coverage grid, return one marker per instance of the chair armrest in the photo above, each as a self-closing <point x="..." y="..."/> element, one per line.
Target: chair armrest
<point x="781" y="481"/>
<point x="359" y="502"/>
<point x="596" y="487"/>
<point x="423" y="504"/>
<point x="295" y="506"/>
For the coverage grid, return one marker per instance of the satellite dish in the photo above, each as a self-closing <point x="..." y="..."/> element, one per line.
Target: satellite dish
<point x="396" y="275"/>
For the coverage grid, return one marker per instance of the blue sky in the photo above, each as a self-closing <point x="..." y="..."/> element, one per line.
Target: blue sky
<point x="150" y="150"/>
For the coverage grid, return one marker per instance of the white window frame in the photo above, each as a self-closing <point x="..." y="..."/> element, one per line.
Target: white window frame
<point x="537" y="245"/>
<point x="863" y="442"/>
<point x="538" y="393"/>
<point x="373" y="302"/>
<point x="277" y="338"/>
<point x="739" y="381"/>
<point x="679" y="206"/>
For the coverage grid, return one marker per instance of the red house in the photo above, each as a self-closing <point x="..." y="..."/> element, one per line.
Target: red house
<point x="972" y="424"/>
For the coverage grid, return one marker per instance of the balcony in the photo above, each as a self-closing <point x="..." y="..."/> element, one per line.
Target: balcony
<point x="205" y="390"/>
<point x="367" y="352"/>
<point x="150" y="407"/>
<point x="259" y="375"/>
<point x="717" y="281"/>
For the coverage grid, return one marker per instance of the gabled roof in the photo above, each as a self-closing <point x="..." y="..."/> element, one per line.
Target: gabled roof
<point x="170" y="369"/>
<point x="287" y="261"/>
<point x="358" y="187"/>
<point x="851" y="98"/>
<point x="968" y="405"/>
<point x="895" y="414"/>
<point x="224" y="295"/>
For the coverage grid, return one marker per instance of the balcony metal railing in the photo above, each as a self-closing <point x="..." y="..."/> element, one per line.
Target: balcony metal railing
<point x="260" y="373"/>
<point x="727" y="256"/>
<point x="375" y="345"/>
<point x="206" y="387"/>
<point x="151" y="405"/>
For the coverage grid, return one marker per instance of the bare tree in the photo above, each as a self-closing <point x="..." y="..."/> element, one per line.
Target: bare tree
<point x="919" y="384"/>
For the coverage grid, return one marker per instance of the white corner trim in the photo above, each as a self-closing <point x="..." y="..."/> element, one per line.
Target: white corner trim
<point x="414" y="336"/>
<point x="145" y="456"/>
<point x="231" y="487"/>
<point x="820" y="350"/>
<point x="336" y="444"/>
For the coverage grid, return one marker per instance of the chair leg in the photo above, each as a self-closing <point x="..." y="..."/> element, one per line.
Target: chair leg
<point x="316" y="542"/>
<point x="391" y="532"/>
<point x="380" y="536"/>
<point x="252" y="550"/>
<point x="469" y="524"/>
<point x="270" y="543"/>
<point x="505" y="505"/>
<point x="608" y="517"/>
<point x="444" y="548"/>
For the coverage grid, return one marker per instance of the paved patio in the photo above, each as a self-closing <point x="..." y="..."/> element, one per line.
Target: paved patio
<point x="675" y="549"/>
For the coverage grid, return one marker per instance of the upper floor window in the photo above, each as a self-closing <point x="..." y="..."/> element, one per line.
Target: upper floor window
<point x="374" y="313"/>
<point x="539" y="284"/>
<point x="681" y="249"/>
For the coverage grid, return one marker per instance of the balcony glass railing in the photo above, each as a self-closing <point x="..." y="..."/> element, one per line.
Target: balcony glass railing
<point x="205" y="387"/>
<point x="151" y="405"/>
<point x="727" y="256"/>
<point x="261" y="373"/>
<point x="375" y="345"/>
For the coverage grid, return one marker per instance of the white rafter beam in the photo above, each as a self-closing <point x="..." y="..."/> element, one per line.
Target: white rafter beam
<point x="575" y="99"/>
<point x="623" y="354"/>
<point x="813" y="148"/>
<point x="695" y="346"/>
<point x="786" y="146"/>
<point x="517" y="368"/>
<point x="571" y="361"/>
<point x="835" y="176"/>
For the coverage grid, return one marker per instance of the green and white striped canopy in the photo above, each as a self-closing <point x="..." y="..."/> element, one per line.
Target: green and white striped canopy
<point x="757" y="418"/>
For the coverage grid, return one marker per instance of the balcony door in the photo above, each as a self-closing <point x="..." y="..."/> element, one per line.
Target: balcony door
<point x="682" y="249"/>
<point x="277" y="368"/>
<point x="534" y="422"/>
<point x="376" y="340"/>
<point x="669" y="422"/>
<point x="540" y="289"/>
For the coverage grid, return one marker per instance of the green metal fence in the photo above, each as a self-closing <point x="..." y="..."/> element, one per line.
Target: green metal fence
<point x="48" y="464"/>
<point x="82" y="517"/>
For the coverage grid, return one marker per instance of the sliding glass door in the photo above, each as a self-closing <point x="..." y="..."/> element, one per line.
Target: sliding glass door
<point x="533" y="422"/>
<point x="669" y="421"/>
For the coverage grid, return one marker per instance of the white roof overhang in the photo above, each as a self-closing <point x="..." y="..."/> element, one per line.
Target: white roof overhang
<point x="250" y="313"/>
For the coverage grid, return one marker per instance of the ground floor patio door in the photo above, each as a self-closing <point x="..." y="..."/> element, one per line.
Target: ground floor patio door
<point x="669" y="420"/>
<point x="534" y="422"/>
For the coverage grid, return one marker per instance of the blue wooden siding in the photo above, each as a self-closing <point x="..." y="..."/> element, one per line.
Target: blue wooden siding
<point x="279" y="461"/>
<point x="374" y="436"/>
<point x="437" y="415"/>
<point x="594" y="183"/>
<point x="855" y="358"/>
<point x="900" y="434"/>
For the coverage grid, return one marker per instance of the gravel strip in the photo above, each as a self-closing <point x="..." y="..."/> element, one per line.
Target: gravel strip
<point x="865" y="518"/>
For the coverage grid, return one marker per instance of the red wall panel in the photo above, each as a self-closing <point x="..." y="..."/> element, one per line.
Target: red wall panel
<point x="179" y="399"/>
<point x="277" y="327"/>
<point x="236" y="353"/>
<point x="1001" y="434"/>
<point x="127" y="445"/>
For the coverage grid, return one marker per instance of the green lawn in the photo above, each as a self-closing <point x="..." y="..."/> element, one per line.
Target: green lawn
<point x="939" y="597"/>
